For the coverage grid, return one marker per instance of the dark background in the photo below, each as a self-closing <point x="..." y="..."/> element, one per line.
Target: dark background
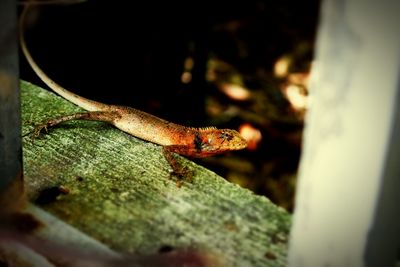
<point x="127" y="52"/>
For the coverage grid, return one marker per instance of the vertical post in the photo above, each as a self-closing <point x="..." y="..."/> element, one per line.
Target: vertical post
<point x="10" y="126"/>
<point x="347" y="200"/>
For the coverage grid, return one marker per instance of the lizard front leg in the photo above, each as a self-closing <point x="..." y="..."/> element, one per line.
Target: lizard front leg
<point x="178" y="169"/>
<point x="106" y="116"/>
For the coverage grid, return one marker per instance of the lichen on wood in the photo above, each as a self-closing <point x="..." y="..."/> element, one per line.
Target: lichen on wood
<point x="119" y="190"/>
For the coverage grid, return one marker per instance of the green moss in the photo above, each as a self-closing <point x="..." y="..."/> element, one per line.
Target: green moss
<point x="121" y="192"/>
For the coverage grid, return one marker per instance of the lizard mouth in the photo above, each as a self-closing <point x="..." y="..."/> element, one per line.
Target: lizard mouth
<point x="238" y="143"/>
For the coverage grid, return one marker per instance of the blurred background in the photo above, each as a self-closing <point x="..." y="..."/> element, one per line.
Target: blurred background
<point x="242" y="65"/>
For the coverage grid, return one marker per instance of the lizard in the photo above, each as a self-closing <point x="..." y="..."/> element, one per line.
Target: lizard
<point x="187" y="141"/>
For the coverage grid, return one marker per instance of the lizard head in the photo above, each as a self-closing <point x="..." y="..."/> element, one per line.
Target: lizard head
<point x="212" y="141"/>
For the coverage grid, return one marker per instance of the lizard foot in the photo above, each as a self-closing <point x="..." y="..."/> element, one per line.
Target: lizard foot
<point x="179" y="171"/>
<point x="38" y="129"/>
<point x="183" y="174"/>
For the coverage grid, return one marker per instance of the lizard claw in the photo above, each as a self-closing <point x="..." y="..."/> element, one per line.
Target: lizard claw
<point x="38" y="129"/>
<point x="182" y="172"/>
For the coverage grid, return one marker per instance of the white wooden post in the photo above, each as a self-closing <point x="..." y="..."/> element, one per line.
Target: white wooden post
<point x="349" y="178"/>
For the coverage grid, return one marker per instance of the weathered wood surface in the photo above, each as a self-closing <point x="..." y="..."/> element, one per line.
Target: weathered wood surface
<point x="120" y="192"/>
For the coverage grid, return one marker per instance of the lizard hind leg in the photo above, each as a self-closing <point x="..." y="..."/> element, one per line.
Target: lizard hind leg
<point x="106" y="116"/>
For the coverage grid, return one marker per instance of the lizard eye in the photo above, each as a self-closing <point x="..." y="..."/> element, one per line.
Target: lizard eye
<point x="226" y="136"/>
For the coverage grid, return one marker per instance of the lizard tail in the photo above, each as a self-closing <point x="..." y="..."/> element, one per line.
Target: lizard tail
<point x="84" y="103"/>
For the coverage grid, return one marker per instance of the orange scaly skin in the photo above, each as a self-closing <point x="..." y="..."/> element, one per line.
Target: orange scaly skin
<point x="188" y="141"/>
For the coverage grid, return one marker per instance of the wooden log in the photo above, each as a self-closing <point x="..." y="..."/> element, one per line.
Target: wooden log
<point x="119" y="190"/>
